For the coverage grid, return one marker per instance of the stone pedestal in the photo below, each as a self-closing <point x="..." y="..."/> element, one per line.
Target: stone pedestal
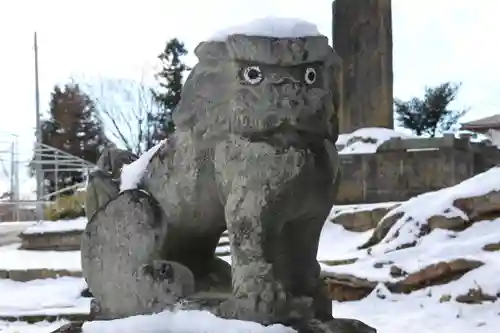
<point x="362" y="37"/>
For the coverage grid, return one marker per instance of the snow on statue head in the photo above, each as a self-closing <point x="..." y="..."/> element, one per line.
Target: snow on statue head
<point x="249" y="83"/>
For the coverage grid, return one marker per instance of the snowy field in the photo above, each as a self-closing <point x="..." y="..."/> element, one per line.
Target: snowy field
<point x="47" y="296"/>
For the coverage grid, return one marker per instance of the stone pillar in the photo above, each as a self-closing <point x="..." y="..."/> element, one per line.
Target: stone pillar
<point x="362" y="37"/>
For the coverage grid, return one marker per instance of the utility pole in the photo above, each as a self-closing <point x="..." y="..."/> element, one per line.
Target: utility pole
<point x="38" y="145"/>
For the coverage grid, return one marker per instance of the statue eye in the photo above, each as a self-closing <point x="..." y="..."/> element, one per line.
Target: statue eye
<point x="310" y="75"/>
<point x="252" y="75"/>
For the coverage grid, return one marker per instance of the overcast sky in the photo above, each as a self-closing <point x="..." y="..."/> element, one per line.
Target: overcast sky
<point x="434" y="41"/>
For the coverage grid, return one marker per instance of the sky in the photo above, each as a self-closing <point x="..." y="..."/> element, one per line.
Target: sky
<point x="434" y="42"/>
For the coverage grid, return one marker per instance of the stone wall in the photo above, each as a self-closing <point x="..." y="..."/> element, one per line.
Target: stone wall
<point x="402" y="169"/>
<point x="362" y="37"/>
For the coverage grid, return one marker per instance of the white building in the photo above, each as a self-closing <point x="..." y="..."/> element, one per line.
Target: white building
<point x="489" y="126"/>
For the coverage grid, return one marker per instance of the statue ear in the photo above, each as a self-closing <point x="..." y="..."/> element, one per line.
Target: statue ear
<point x="104" y="162"/>
<point x="212" y="51"/>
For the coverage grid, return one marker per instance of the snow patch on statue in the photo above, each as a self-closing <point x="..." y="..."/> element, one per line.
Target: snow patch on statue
<point x="132" y="173"/>
<point x="271" y="27"/>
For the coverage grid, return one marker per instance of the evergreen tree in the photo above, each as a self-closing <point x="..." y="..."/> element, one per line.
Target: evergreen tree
<point x="72" y="127"/>
<point x="169" y="93"/>
<point x="431" y="114"/>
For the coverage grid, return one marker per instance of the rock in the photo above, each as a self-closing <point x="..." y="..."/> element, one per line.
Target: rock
<point x="248" y="156"/>
<point x="492" y="247"/>
<point x="434" y="222"/>
<point x="72" y="327"/>
<point x="475" y="296"/>
<point x="479" y="208"/>
<point x="435" y="274"/>
<point x="382" y="230"/>
<point x="344" y="287"/>
<point x="361" y="220"/>
<point x="381" y="264"/>
<point x="395" y="271"/>
<point x="449" y="223"/>
<point x="339" y="262"/>
<point x="445" y="298"/>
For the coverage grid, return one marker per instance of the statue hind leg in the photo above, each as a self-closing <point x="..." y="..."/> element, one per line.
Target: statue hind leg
<point x="121" y="262"/>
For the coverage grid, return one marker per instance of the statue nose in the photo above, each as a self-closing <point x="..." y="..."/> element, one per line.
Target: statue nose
<point x="290" y="89"/>
<point x="282" y="79"/>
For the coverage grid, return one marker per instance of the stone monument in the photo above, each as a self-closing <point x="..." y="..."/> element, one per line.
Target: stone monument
<point x="254" y="153"/>
<point x="362" y="37"/>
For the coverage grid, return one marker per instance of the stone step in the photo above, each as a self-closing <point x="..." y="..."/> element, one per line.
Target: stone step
<point x="35" y="274"/>
<point x="35" y="318"/>
<point x="54" y="236"/>
<point x="50" y="300"/>
<point x="54" y="241"/>
<point x="24" y="265"/>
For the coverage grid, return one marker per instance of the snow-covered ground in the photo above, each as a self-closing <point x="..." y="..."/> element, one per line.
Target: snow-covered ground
<point x="47" y="296"/>
<point x="13" y="258"/>
<point x="420" y="313"/>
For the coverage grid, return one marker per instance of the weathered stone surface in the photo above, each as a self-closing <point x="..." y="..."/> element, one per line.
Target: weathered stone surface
<point x="103" y="184"/>
<point x="72" y="327"/>
<point x="492" y="247"/>
<point x="362" y="219"/>
<point x="362" y="36"/>
<point x="52" y="241"/>
<point x="122" y="263"/>
<point x="479" y="208"/>
<point x="253" y="153"/>
<point x="475" y="296"/>
<point x="382" y="230"/>
<point x="436" y="274"/>
<point x="345" y="287"/>
<point x="400" y="174"/>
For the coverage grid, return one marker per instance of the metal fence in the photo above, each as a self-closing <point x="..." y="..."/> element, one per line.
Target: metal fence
<point x="19" y="187"/>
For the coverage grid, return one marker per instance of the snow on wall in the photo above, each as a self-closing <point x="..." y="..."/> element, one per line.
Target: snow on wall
<point x="366" y="140"/>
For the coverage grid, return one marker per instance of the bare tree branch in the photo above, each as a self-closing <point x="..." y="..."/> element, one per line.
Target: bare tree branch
<point x="124" y="106"/>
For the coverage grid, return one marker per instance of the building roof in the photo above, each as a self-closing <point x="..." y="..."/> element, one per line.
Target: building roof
<point x="491" y="122"/>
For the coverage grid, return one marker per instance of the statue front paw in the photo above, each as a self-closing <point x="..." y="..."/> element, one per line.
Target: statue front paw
<point x="263" y="302"/>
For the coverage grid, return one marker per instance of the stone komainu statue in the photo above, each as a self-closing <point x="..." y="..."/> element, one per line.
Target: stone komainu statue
<point x="254" y="153"/>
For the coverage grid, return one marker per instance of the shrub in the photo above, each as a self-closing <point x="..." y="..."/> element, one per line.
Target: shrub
<point x="66" y="207"/>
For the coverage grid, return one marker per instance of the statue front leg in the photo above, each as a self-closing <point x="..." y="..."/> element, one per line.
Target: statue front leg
<point x="258" y="294"/>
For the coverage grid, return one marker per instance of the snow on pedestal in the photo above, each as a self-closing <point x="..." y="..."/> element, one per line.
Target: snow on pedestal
<point x="278" y="27"/>
<point x="61" y="226"/>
